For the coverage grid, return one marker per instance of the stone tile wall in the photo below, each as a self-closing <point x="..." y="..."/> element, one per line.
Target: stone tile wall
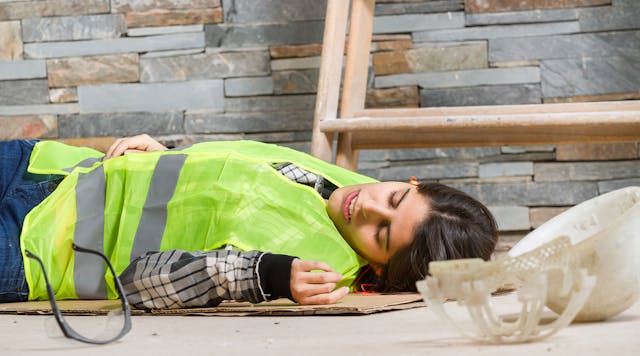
<point x="86" y="71"/>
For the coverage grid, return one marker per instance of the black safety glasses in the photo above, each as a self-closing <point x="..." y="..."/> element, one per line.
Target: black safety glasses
<point x="118" y="322"/>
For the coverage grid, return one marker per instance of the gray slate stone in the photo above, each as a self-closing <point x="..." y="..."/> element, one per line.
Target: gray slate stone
<point x="191" y="139"/>
<point x="183" y="52"/>
<point x="421" y="22"/>
<point x="272" y="103"/>
<point x="419" y="8"/>
<point x="304" y="81"/>
<point x="21" y="9"/>
<point x="589" y="76"/>
<point x="267" y="34"/>
<point x="272" y="137"/>
<point x="557" y="172"/>
<point x="270" y="11"/>
<point x="205" y="66"/>
<point x="449" y="44"/>
<point x="526" y="149"/>
<point x="146" y="5"/>
<point x="295" y="63"/>
<point x="63" y="95"/>
<point x="205" y="122"/>
<point x="236" y="49"/>
<point x="624" y="3"/>
<point x="491" y="32"/>
<point x="511" y="218"/>
<point x="120" y="124"/>
<point x="24" y="92"/>
<point x="28" y="69"/>
<point x="51" y="109"/>
<point x="611" y="185"/>
<point x="277" y="137"/>
<point x="112" y="46"/>
<point x="293" y="138"/>
<point x="519" y="17"/>
<point x="163" y="30"/>
<point x="621" y="16"/>
<point x="370" y="165"/>
<point x="466" y="153"/>
<point x="505" y="169"/>
<point x="298" y="146"/>
<point x="482" y="95"/>
<point x="530" y="193"/>
<point x="433" y="59"/>
<point x="248" y="86"/>
<point x="423" y="171"/>
<point x="624" y="44"/>
<point x="154" y="97"/>
<point x="72" y="28"/>
<point x="464" y="78"/>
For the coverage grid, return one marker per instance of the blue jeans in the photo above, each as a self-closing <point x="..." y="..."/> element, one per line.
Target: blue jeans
<point x="20" y="192"/>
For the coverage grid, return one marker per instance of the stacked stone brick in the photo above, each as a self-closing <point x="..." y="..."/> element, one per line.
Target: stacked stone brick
<point x="86" y="71"/>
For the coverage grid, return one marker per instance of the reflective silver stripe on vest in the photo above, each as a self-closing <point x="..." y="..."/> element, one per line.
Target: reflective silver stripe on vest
<point x="89" y="269"/>
<point x="154" y="214"/>
<point x="86" y="163"/>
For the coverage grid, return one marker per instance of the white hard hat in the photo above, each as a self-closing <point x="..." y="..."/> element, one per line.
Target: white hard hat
<point x="584" y="264"/>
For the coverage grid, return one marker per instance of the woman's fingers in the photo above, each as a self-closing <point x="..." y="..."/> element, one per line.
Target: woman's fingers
<point x="135" y="142"/>
<point x="326" y="298"/>
<point x="308" y="265"/>
<point x="113" y="147"/>
<point x="313" y="282"/>
<point x="321" y="277"/>
<point x="120" y="146"/>
<point x="140" y="143"/>
<point x="302" y="272"/>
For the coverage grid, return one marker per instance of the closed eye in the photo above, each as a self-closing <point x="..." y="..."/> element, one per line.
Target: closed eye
<point x="383" y="235"/>
<point x="387" y="225"/>
<point x="392" y="198"/>
<point x="392" y="202"/>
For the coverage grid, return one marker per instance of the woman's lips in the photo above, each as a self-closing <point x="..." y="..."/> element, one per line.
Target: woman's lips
<point x="347" y="205"/>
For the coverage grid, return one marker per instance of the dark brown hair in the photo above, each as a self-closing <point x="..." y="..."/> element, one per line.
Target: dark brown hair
<point x="457" y="226"/>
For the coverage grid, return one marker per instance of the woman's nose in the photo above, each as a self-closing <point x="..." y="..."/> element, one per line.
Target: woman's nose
<point x="374" y="210"/>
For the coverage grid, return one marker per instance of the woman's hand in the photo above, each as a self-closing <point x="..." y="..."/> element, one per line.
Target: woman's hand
<point x="140" y="143"/>
<point x="315" y="287"/>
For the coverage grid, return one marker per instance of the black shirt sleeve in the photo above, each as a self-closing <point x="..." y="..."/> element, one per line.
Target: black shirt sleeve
<point x="275" y="275"/>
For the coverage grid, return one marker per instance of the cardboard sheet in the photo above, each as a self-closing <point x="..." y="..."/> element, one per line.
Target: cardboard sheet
<point x="352" y="304"/>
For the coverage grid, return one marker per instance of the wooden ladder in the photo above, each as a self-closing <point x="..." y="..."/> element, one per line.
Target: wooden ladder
<point x="360" y="128"/>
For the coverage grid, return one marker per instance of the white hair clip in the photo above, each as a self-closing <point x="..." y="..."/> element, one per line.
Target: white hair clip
<point x="584" y="264"/>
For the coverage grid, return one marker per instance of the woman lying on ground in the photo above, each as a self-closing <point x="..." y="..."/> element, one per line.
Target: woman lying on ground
<point x="219" y="221"/>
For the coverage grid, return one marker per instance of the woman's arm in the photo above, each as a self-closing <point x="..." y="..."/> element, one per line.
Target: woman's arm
<point x="139" y="143"/>
<point x="179" y="279"/>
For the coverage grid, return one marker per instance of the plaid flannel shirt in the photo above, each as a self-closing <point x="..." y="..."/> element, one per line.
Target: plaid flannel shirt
<point x="181" y="279"/>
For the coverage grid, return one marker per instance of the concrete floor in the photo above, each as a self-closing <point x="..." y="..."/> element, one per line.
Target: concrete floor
<point x="408" y="332"/>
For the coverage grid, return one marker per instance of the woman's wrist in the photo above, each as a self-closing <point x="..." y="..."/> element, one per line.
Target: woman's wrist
<point x="275" y="275"/>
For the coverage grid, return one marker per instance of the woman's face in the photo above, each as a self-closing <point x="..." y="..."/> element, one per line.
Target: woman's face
<point x="377" y="219"/>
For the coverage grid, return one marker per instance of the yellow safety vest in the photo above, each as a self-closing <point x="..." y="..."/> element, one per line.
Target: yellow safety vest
<point x="199" y="198"/>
